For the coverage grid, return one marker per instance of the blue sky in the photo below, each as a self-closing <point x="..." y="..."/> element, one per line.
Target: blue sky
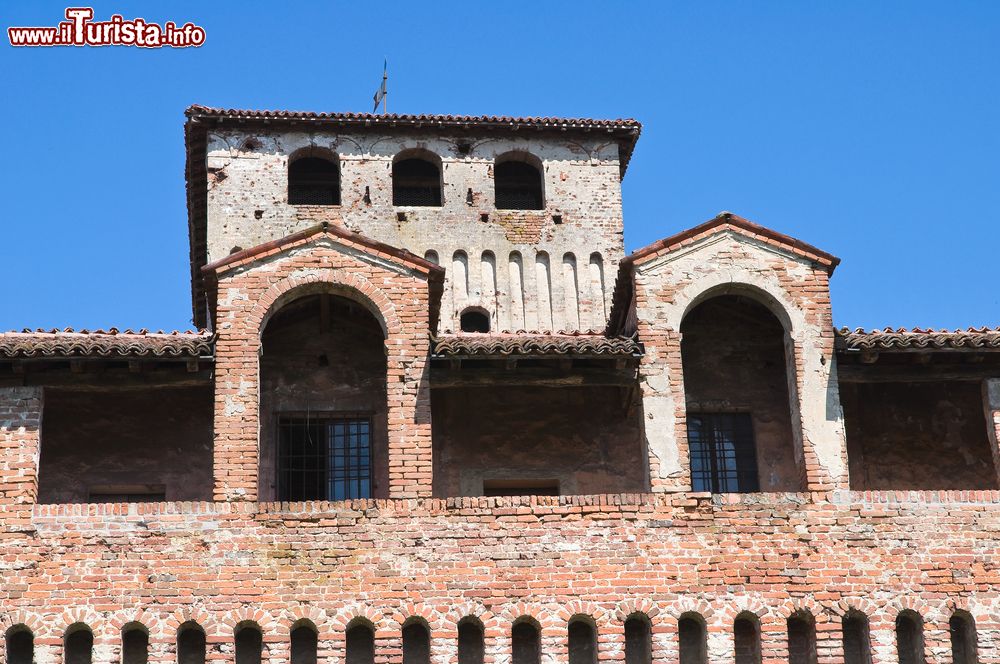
<point x="871" y="130"/>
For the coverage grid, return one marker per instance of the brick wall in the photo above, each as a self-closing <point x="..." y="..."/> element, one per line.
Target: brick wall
<point x="20" y="433"/>
<point x="605" y="557"/>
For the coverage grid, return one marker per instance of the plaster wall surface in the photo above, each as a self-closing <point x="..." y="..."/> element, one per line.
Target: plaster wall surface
<point x="522" y="267"/>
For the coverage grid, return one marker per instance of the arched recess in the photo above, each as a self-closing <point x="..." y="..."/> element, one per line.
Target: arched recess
<point x="581" y="635"/>
<point x="801" y="627"/>
<point x="964" y="641"/>
<point x="78" y="645"/>
<point x="518" y="181"/>
<point x="692" y="639"/>
<point x="190" y="643"/>
<point x="638" y="639"/>
<point x="739" y="383"/>
<point x="313" y="177"/>
<point x="525" y="642"/>
<point x="909" y="637"/>
<point x="359" y="642"/>
<point x="471" y="642"/>
<point x="416" y="179"/>
<point x="303" y="643"/>
<point x="323" y="398"/>
<point x="20" y="645"/>
<point x="135" y="644"/>
<point x="416" y="642"/>
<point x="249" y="643"/>
<point x="856" y="638"/>
<point x="746" y="638"/>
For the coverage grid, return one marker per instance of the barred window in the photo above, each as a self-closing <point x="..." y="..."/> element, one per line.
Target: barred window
<point x="416" y="182"/>
<point x="325" y="458"/>
<point x="518" y="186"/>
<point x="313" y="181"/>
<point x="723" y="454"/>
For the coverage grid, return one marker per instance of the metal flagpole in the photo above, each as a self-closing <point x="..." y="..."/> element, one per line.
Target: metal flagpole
<point x="385" y="87"/>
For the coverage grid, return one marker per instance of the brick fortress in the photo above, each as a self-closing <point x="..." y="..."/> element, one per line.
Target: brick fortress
<point x="435" y="415"/>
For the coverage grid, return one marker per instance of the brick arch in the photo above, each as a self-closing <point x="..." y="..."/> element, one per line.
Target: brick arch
<point x="590" y="611"/>
<point x="809" y="605"/>
<point x="456" y="614"/>
<point x="246" y="616"/>
<point x="351" y="285"/>
<point x="188" y="614"/>
<point x="146" y="619"/>
<point x="425" y="614"/>
<point x="743" y="605"/>
<point x="350" y="616"/>
<point x="738" y="281"/>
<point x="79" y="616"/>
<point x="28" y="619"/>
<point x="630" y="607"/>
<point x="860" y="604"/>
<point x="309" y="615"/>
<point x="683" y="605"/>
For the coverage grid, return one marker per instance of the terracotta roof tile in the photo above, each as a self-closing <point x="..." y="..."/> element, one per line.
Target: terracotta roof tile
<point x="533" y="343"/>
<point x="981" y="339"/>
<point x="105" y="343"/>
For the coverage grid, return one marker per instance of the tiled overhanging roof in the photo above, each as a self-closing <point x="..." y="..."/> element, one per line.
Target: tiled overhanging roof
<point x="972" y="339"/>
<point x="106" y="343"/>
<point x="533" y="344"/>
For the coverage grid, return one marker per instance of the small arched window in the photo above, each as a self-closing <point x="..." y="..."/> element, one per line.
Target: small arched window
<point x="692" y="639"/>
<point x="638" y="640"/>
<point x="416" y="643"/>
<point x="518" y="185"/>
<point x="249" y="644"/>
<point x="910" y="637"/>
<point x="475" y="320"/>
<point x="78" y="645"/>
<point x="417" y="182"/>
<point x="190" y="644"/>
<point x="304" y="642"/>
<point x="470" y="642"/>
<point x="582" y="642"/>
<point x="360" y="644"/>
<point x="524" y="642"/>
<point x="135" y="644"/>
<point x="857" y="642"/>
<point x="746" y="638"/>
<point x="964" y="646"/>
<point x="801" y="638"/>
<point x="313" y="181"/>
<point x="20" y="644"/>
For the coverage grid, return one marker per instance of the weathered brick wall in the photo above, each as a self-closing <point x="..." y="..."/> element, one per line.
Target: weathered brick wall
<point x="498" y="559"/>
<point x="536" y="264"/>
<point x="250" y="291"/>
<point x="726" y="259"/>
<point x="991" y="402"/>
<point x="20" y="438"/>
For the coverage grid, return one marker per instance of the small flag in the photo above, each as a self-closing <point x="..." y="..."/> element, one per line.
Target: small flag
<point x="381" y="92"/>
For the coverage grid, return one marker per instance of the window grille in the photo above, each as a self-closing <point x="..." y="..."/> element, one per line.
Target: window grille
<point x="518" y="186"/>
<point x="313" y="181"/>
<point x="324" y="458"/>
<point x="416" y="182"/>
<point x="723" y="454"/>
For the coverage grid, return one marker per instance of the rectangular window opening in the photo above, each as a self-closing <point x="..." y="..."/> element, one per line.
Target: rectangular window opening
<point x="522" y="487"/>
<point x="324" y="458"/>
<point x="723" y="453"/>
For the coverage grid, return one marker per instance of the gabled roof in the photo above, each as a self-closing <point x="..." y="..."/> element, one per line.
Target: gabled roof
<point x="730" y="221"/>
<point x="902" y="339"/>
<point x="622" y="317"/>
<point x="434" y="273"/>
<point x="201" y="118"/>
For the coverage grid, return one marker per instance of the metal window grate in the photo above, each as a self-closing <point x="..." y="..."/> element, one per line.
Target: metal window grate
<point x="518" y="199"/>
<point x="429" y="196"/>
<point x="324" y="458"/>
<point x="723" y="454"/>
<point x="313" y="194"/>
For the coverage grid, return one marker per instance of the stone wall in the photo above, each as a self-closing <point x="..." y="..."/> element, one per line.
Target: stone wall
<point x="524" y="268"/>
<point x="605" y="557"/>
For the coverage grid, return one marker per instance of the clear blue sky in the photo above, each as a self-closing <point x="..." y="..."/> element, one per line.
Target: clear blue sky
<point x="871" y="130"/>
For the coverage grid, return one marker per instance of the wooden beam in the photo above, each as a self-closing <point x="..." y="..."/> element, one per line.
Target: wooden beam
<point x="530" y="376"/>
<point x="915" y="373"/>
<point x="109" y="380"/>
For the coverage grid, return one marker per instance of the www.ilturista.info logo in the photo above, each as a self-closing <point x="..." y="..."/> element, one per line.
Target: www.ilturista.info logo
<point x="80" y="30"/>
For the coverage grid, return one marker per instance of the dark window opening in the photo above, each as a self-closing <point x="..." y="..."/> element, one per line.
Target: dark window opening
<point x="582" y="643"/>
<point x="638" y="641"/>
<point x="190" y="644"/>
<point x="127" y="493"/>
<point x="416" y="182"/>
<point x="470" y="643"/>
<point x="249" y="645"/>
<point x="525" y="647"/>
<point x="801" y="639"/>
<point x="416" y="644"/>
<point x="857" y="643"/>
<point x="313" y="181"/>
<point x="474" y="320"/>
<point x="964" y="649"/>
<point x="20" y="646"/>
<point x="723" y="454"/>
<point x="520" y="487"/>
<point x="79" y="646"/>
<point x="518" y="186"/>
<point x="360" y="645"/>
<point x="135" y="646"/>
<point x="692" y="640"/>
<point x="746" y="640"/>
<point x="304" y="642"/>
<point x="324" y="458"/>
<point x="909" y="638"/>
